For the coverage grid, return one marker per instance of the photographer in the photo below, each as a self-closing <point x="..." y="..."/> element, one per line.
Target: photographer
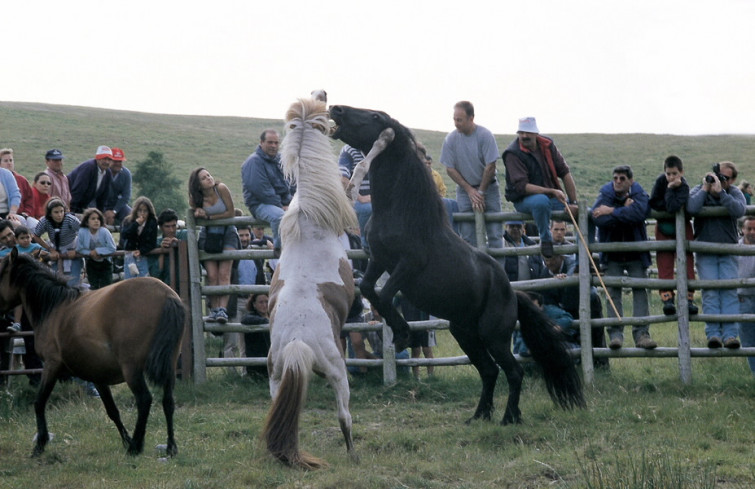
<point x="718" y="190"/>
<point x="620" y="212"/>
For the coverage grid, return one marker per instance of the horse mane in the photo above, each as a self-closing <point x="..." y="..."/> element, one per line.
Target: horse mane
<point x="307" y="158"/>
<point x="404" y="182"/>
<point x="45" y="290"/>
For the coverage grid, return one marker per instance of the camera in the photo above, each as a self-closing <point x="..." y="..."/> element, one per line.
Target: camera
<point x="717" y="170"/>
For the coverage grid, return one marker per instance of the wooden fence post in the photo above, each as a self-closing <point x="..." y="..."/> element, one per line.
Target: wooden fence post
<point x="685" y="355"/>
<point x="585" y="284"/>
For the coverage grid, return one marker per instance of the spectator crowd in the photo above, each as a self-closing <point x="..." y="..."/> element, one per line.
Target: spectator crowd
<point x="67" y="220"/>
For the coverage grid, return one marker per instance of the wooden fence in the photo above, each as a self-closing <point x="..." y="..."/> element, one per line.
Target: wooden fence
<point x="585" y="279"/>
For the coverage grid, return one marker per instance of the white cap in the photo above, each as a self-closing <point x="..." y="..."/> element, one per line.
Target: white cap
<point x="528" y="124"/>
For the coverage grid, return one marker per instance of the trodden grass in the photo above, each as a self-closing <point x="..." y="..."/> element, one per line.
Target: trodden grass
<point x="642" y="428"/>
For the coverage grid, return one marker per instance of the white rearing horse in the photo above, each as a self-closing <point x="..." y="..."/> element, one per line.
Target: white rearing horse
<point x="313" y="286"/>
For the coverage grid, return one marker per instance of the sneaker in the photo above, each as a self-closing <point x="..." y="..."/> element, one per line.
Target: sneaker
<point x="213" y="316"/>
<point x="646" y="342"/>
<point x="221" y="315"/>
<point x="714" y="342"/>
<point x="546" y="249"/>
<point x="14" y="328"/>
<point x="732" y="343"/>
<point x="692" y="308"/>
<point x="669" y="309"/>
<point x="92" y="391"/>
<point x="616" y="343"/>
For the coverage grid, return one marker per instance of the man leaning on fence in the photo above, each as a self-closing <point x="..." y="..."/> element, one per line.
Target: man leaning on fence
<point x="619" y="213"/>
<point x="718" y="190"/>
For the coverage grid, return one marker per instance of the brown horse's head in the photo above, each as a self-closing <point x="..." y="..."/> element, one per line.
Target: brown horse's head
<point x="10" y="296"/>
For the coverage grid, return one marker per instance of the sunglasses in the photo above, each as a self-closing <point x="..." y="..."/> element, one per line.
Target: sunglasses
<point x="42" y="182"/>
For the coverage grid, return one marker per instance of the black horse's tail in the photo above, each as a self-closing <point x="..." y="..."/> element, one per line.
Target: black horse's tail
<point x="548" y="349"/>
<point x="161" y="361"/>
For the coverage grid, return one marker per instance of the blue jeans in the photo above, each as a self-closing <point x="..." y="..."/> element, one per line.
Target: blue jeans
<point x="719" y="301"/>
<point x="74" y="273"/>
<point x="272" y="214"/>
<point x="364" y="212"/>
<point x="640" y="305"/>
<point x="141" y="263"/>
<point x="492" y="204"/>
<point x="540" y="207"/>
<point x="451" y="207"/>
<point x="747" y="330"/>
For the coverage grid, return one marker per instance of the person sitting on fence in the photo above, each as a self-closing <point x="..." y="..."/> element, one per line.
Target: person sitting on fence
<point x="211" y="200"/>
<point x="619" y="213"/>
<point x="746" y="265"/>
<point x="97" y="245"/>
<point x="670" y="194"/>
<point x="266" y="191"/>
<point x="257" y="345"/>
<point x="138" y="238"/>
<point x="62" y="229"/>
<point x="718" y="190"/>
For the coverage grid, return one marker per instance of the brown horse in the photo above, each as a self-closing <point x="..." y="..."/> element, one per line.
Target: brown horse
<point x="108" y="336"/>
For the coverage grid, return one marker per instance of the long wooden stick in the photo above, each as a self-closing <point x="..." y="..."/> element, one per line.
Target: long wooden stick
<point x="592" y="262"/>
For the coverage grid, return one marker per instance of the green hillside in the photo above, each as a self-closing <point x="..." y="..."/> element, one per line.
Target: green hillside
<point x="222" y="143"/>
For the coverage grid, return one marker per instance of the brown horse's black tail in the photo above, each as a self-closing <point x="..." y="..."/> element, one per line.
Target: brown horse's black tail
<point x="161" y="361"/>
<point x="549" y="350"/>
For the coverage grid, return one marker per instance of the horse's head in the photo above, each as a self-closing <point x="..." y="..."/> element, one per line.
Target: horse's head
<point x="10" y="296"/>
<point x="359" y="128"/>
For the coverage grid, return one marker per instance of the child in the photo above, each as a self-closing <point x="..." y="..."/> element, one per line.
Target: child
<point x="24" y="245"/>
<point x="97" y="244"/>
<point x="670" y="193"/>
<point x="62" y="229"/>
<point x="139" y="235"/>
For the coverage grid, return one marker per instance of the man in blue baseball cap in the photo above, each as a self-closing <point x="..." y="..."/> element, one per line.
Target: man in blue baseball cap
<point x="60" y="187"/>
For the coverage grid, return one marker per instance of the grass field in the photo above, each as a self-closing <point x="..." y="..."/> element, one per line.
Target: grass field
<point x="642" y="429"/>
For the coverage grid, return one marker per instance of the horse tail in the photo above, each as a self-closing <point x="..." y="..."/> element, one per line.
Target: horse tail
<point x="548" y="349"/>
<point x="161" y="360"/>
<point x="281" y="431"/>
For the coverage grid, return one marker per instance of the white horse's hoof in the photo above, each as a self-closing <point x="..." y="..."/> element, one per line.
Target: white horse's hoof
<point x="50" y="436"/>
<point x="161" y="448"/>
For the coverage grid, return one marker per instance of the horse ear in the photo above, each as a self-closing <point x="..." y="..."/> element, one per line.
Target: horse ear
<point x="13" y="254"/>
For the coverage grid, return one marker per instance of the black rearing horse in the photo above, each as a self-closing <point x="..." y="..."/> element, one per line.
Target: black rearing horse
<point x="410" y="238"/>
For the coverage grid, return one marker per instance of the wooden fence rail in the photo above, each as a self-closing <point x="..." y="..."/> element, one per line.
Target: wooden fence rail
<point x="584" y="280"/>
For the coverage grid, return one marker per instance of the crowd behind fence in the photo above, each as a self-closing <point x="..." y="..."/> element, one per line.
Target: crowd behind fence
<point x="585" y="279"/>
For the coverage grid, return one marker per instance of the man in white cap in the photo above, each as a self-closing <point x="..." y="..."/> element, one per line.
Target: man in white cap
<point x="469" y="154"/>
<point x="533" y="167"/>
<point x="90" y="181"/>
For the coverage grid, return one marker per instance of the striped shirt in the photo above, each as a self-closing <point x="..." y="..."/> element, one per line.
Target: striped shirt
<point x="67" y="232"/>
<point x="347" y="160"/>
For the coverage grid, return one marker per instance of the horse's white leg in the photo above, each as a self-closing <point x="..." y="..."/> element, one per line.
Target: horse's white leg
<point x="382" y="142"/>
<point x="337" y="377"/>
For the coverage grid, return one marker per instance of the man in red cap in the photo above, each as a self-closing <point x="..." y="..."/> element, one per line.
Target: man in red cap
<point x="116" y="206"/>
<point x="90" y="181"/>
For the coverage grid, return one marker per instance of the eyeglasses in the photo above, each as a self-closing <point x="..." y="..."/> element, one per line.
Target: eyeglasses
<point x="44" y="183"/>
<point x="619" y="178"/>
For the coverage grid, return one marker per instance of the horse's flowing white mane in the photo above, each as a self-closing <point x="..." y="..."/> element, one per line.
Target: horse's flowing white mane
<point x="308" y="159"/>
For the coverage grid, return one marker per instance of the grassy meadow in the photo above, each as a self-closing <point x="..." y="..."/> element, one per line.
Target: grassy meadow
<point x="642" y="427"/>
<point x="222" y="143"/>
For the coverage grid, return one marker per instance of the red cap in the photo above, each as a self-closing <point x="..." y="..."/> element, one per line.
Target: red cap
<point x="118" y="154"/>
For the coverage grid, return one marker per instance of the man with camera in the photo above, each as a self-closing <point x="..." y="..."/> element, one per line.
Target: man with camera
<point x="718" y="190"/>
<point x="619" y="213"/>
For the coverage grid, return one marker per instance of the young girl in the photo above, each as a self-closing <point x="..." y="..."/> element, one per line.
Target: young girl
<point x="209" y="199"/>
<point x="139" y="235"/>
<point x="62" y="229"/>
<point x="97" y="244"/>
